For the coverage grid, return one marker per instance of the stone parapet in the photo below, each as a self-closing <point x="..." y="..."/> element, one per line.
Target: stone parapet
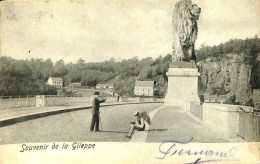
<point x="223" y="118"/>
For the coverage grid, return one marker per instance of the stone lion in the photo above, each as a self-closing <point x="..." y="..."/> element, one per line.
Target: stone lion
<point x="185" y="16"/>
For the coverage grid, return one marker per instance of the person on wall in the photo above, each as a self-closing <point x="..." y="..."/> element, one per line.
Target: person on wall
<point x="138" y="124"/>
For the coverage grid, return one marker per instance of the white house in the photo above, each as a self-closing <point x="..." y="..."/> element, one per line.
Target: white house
<point x="55" y="81"/>
<point x="104" y="86"/>
<point x="144" y="88"/>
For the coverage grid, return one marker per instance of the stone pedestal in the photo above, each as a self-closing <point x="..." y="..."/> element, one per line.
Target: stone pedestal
<point x="182" y="84"/>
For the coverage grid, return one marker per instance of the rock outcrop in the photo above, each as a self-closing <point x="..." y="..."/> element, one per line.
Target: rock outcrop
<point x="225" y="77"/>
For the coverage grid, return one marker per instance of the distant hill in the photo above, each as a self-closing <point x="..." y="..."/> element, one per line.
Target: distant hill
<point x="29" y="77"/>
<point x="230" y="70"/>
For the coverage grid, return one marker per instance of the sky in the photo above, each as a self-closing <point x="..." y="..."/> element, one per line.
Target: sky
<point x="97" y="30"/>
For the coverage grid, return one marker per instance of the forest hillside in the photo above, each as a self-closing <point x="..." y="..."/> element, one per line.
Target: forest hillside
<point x="230" y="70"/>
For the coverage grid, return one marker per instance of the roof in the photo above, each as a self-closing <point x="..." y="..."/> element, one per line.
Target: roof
<point x="144" y="83"/>
<point x="56" y="78"/>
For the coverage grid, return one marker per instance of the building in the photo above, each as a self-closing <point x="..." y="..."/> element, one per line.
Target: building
<point x="144" y="88"/>
<point x="104" y="86"/>
<point x="55" y="81"/>
<point x="75" y="84"/>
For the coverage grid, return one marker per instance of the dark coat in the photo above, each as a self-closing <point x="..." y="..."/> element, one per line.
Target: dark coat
<point x="95" y="105"/>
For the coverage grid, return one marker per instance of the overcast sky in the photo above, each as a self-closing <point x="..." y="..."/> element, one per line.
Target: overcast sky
<point x="97" y="30"/>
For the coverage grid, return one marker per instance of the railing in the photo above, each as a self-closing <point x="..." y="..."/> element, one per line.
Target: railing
<point x="61" y="100"/>
<point x="17" y="101"/>
<point x="249" y="125"/>
<point x="30" y="101"/>
<point x="213" y="101"/>
<point x="54" y="100"/>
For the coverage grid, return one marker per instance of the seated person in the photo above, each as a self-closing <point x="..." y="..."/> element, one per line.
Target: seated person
<point x="138" y="125"/>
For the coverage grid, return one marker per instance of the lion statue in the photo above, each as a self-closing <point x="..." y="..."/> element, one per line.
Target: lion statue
<point x="185" y="16"/>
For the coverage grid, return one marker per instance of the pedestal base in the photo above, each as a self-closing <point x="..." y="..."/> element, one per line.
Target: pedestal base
<point x="182" y="86"/>
<point x="180" y="101"/>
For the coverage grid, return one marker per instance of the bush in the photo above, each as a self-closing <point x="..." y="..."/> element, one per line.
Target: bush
<point x="231" y="100"/>
<point x="159" y="92"/>
<point x="249" y="102"/>
<point x="219" y="90"/>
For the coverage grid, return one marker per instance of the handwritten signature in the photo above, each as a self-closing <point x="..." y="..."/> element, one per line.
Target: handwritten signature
<point x="174" y="148"/>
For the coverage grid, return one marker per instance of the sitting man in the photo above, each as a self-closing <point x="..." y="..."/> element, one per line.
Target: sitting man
<point x="138" y="125"/>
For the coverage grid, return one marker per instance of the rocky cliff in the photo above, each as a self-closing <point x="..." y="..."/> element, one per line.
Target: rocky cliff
<point x="225" y="77"/>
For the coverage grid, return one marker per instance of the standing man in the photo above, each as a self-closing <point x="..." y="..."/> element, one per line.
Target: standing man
<point x="95" y="111"/>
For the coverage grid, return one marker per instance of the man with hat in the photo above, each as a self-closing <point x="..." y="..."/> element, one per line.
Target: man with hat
<point x="95" y="111"/>
<point x="138" y="125"/>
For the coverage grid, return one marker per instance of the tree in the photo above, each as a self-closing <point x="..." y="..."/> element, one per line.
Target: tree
<point x="60" y="69"/>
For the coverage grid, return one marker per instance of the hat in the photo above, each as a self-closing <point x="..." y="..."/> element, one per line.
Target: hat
<point x="96" y="93"/>
<point x="136" y="113"/>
